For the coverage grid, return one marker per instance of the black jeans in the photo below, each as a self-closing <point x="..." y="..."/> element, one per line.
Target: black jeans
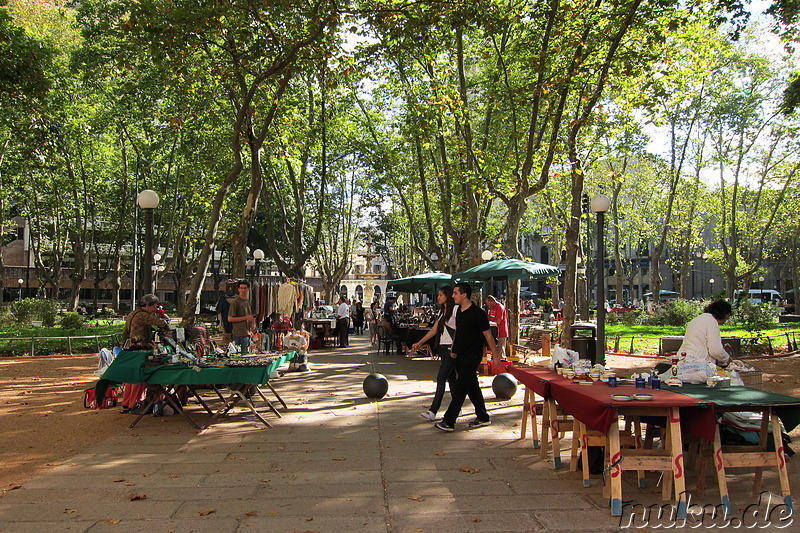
<point x="343" y="325"/>
<point x="466" y="385"/>
<point x="446" y="375"/>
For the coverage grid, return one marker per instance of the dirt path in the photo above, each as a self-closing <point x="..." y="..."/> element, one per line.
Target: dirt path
<point x="42" y="419"/>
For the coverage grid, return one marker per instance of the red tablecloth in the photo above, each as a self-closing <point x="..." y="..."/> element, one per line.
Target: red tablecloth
<point x="592" y="405"/>
<point x="536" y="379"/>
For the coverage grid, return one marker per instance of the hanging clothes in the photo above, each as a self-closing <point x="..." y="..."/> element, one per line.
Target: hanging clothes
<point x="287" y="299"/>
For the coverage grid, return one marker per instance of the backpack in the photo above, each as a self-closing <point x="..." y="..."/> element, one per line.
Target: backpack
<point x="109" y="401"/>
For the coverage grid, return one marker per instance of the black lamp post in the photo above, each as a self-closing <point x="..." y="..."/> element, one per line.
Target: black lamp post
<point x="600" y="204"/>
<point x="20" y="281"/>
<point x="148" y="201"/>
<point x="258" y="256"/>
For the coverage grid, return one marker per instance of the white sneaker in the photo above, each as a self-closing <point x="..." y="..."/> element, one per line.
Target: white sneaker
<point x="430" y="415"/>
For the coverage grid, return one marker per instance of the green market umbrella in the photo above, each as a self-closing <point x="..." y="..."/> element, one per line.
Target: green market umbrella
<point x="427" y="283"/>
<point x="507" y="269"/>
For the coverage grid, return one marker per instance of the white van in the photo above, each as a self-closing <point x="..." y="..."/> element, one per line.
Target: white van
<point x="766" y="296"/>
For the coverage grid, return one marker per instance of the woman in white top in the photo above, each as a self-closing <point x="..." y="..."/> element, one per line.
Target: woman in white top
<point x="445" y="327"/>
<point x="703" y="341"/>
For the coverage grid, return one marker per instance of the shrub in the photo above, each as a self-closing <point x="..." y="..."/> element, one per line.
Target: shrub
<point x="29" y="309"/>
<point x="675" y="313"/>
<point x="751" y="316"/>
<point x="71" y="320"/>
<point x="633" y="318"/>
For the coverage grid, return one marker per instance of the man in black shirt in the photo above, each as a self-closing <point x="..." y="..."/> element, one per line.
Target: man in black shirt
<point x="472" y="329"/>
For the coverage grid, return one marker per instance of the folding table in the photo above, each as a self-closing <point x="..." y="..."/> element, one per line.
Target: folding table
<point x="775" y="408"/>
<point x="130" y="367"/>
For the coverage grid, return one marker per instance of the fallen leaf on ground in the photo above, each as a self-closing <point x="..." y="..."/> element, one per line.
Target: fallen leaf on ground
<point x="135" y="497"/>
<point x="309" y="519"/>
<point x="338" y="458"/>
<point x="278" y="469"/>
<point x="129" y="484"/>
<point x="112" y="521"/>
<point x="206" y="512"/>
<point x="119" y="480"/>
<point x="273" y="512"/>
<point x="250" y="513"/>
<point x="70" y="511"/>
<point x="470" y="470"/>
<point x="12" y="486"/>
<point x="173" y="476"/>
<point x="440" y="453"/>
<point x="418" y="498"/>
<point x="476" y="519"/>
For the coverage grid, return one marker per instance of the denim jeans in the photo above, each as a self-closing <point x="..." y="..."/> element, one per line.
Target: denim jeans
<point x="243" y="343"/>
<point x="446" y="375"/>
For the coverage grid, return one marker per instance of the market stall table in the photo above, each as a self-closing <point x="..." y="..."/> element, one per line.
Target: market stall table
<point x="130" y="367"/>
<point x="410" y="336"/>
<point x="774" y="408"/>
<point x="593" y="405"/>
<point x="536" y="381"/>
<point x="322" y="328"/>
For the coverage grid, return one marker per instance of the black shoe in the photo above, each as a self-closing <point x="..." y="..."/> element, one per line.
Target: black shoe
<point x="130" y="410"/>
<point x="480" y="423"/>
<point x="444" y="426"/>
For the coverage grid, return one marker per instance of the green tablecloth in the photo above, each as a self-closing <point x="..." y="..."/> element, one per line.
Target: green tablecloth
<point x="786" y="407"/>
<point x="129" y="367"/>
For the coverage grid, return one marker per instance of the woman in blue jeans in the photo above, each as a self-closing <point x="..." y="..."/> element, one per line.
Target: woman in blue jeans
<point x="445" y="327"/>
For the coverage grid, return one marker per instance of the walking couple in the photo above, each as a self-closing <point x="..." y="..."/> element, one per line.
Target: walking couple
<point x="463" y="328"/>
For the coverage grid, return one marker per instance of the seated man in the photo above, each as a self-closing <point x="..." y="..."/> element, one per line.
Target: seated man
<point x="138" y="332"/>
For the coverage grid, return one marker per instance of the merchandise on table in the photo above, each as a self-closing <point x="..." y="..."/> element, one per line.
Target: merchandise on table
<point x="253" y="360"/>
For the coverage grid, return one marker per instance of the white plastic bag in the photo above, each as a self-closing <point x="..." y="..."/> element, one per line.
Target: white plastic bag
<point x="105" y="358"/>
<point x="695" y="372"/>
<point x="563" y="356"/>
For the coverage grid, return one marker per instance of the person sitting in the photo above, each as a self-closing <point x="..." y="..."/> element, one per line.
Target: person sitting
<point x="138" y="332"/>
<point x="703" y="340"/>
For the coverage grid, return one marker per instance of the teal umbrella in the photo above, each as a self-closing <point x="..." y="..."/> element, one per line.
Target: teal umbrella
<point x="507" y="269"/>
<point x="427" y="283"/>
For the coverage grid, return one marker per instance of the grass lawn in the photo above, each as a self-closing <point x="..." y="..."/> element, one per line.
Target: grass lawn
<point x="101" y="328"/>
<point x="645" y="339"/>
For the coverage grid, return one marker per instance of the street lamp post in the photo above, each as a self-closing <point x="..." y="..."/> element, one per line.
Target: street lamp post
<point x="486" y="255"/>
<point x="148" y="201"/>
<point x="20" y="281"/>
<point x="711" y="283"/>
<point x="157" y="267"/>
<point x="258" y="256"/>
<point x="600" y="204"/>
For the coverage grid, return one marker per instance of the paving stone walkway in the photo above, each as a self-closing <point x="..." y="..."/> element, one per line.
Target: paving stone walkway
<point x="335" y="462"/>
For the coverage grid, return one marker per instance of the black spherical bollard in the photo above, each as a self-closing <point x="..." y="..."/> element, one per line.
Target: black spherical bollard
<point x="504" y="386"/>
<point x="376" y="386"/>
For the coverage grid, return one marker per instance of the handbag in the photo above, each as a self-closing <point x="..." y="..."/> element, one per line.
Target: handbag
<point x="109" y="400"/>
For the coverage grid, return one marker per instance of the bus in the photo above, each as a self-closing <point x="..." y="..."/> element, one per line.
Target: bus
<point x="760" y="296"/>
